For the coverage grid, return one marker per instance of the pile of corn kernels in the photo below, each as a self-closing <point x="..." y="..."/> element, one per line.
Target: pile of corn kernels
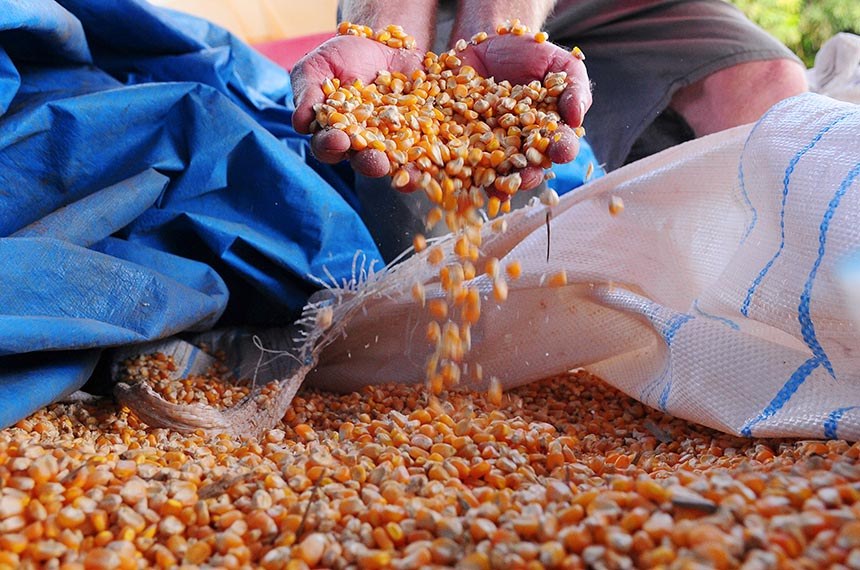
<point x="566" y="473"/>
<point x="217" y="388"/>
<point x="465" y="137"/>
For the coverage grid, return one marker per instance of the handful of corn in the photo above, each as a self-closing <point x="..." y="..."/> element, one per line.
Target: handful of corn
<point x="463" y="139"/>
<point x="460" y="132"/>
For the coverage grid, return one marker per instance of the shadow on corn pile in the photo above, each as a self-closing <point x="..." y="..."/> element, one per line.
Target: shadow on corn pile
<point x="566" y="473"/>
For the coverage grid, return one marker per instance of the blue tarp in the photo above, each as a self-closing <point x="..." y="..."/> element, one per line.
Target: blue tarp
<point x="150" y="183"/>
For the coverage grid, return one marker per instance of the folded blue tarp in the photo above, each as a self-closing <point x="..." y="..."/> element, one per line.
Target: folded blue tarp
<point x="150" y="183"/>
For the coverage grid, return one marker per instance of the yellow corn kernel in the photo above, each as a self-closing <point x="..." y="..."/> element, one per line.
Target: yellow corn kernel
<point x="557" y="279"/>
<point x="514" y="270"/>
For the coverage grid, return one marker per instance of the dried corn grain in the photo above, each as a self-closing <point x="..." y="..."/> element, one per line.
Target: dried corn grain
<point x="563" y="473"/>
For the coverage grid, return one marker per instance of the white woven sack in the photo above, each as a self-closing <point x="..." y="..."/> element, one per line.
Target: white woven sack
<point x="713" y="296"/>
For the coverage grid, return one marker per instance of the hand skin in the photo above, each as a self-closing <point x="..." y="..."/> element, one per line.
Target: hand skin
<point x="350" y="58"/>
<point x="347" y="58"/>
<point x="501" y="57"/>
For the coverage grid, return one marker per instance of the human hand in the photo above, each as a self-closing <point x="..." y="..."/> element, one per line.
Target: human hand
<point x="347" y="58"/>
<point x="520" y="59"/>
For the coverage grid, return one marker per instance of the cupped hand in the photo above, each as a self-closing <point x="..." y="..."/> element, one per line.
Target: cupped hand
<point x="347" y="58"/>
<point x="521" y="60"/>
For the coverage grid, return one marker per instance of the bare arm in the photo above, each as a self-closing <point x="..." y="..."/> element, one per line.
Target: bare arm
<point x="475" y="16"/>
<point x="416" y="17"/>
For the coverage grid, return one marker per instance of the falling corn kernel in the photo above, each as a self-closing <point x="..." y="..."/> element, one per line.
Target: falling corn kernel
<point x="418" y="293"/>
<point x="438" y="308"/>
<point x="419" y="242"/>
<point x="436" y="256"/>
<point x="433" y="218"/>
<point x="514" y="269"/>
<point x="577" y="53"/>
<point x="469" y="270"/>
<point x="491" y="267"/>
<point x="500" y="290"/>
<point x="616" y="205"/>
<point x="549" y="197"/>
<point x="472" y="308"/>
<point x="494" y="392"/>
<point x="557" y="279"/>
<point x="434" y="332"/>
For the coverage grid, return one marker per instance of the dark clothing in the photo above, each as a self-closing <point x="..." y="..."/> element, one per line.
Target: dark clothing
<point x="638" y="53"/>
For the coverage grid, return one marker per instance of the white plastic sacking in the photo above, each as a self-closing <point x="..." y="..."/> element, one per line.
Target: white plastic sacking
<point x="713" y="296"/>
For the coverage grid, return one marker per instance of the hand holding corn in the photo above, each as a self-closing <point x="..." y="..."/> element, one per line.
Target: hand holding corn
<point x="497" y="68"/>
<point x="512" y="54"/>
<point x="348" y="58"/>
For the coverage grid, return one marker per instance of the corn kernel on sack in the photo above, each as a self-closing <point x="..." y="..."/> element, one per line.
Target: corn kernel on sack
<point x="711" y="296"/>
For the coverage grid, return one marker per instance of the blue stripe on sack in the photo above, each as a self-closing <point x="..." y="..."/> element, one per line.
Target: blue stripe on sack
<point x="669" y="331"/>
<point x="650" y="310"/>
<point x="785" y="181"/>
<point x="664" y="397"/>
<point x="645" y="393"/>
<point x="831" y="424"/>
<point x="674" y="324"/>
<point x="728" y="322"/>
<point x="742" y="183"/>
<point x="807" y="327"/>
<point x="784" y="395"/>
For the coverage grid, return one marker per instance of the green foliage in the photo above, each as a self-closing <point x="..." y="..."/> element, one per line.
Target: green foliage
<point x="803" y="25"/>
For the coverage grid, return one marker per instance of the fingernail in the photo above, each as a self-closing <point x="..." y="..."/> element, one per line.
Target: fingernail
<point x="581" y="113"/>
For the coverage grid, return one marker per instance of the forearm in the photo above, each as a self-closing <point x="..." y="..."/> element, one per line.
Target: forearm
<point x="417" y="17"/>
<point x="475" y="16"/>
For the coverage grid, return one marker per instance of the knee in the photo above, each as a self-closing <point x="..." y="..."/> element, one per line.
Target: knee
<point x="739" y="94"/>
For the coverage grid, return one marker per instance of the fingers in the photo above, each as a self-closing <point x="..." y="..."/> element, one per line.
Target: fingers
<point x="502" y="58"/>
<point x="532" y="177"/>
<point x="564" y="146"/>
<point x="333" y="145"/>
<point x="330" y="145"/>
<point x="371" y="162"/>
<point x="306" y="79"/>
<point x="347" y="58"/>
<point x="575" y="100"/>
